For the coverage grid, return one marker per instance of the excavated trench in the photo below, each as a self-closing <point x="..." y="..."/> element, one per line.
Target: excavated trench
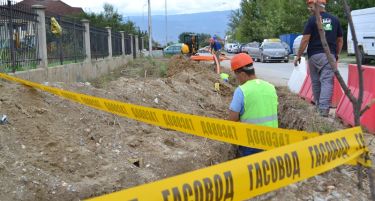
<point x="53" y="149"/>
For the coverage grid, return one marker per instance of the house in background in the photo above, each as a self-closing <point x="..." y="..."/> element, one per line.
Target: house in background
<point x="55" y="7"/>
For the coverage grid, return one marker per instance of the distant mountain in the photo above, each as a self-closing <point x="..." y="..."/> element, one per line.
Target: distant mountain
<point x="210" y="23"/>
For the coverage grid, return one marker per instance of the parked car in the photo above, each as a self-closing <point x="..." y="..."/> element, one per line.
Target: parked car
<point x="273" y="51"/>
<point x="235" y="49"/>
<point x="296" y="44"/>
<point x="244" y="48"/>
<point x="228" y="46"/>
<point x="241" y="47"/>
<point x="231" y="48"/>
<point x="253" y="50"/>
<point x="271" y="40"/>
<point x="173" y="49"/>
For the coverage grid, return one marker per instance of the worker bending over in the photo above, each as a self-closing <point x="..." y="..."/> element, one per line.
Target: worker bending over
<point x="254" y="101"/>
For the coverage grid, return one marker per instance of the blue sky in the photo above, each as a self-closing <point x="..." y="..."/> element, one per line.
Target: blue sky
<point x="140" y="8"/>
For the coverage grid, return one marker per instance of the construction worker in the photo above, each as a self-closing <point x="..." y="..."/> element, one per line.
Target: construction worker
<point x="215" y="48"/>
<point x="254" y="101"/>
<point x="321" y="72"/>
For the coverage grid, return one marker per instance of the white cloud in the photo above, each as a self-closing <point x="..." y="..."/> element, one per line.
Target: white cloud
<point x="139" y="7"/>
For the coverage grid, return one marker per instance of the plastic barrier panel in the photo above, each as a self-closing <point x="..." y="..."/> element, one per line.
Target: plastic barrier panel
<point x="338" y="93"/>
<point x="345" y="108"/>
<point x="298" y="76"/>
<point x="306" y="91"/>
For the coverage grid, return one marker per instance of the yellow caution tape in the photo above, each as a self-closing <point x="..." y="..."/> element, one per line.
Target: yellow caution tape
<point x="253" y="175"/>
<point x="244" y="134"/>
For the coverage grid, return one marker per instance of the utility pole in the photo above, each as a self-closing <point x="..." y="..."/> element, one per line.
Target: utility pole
<point x="149" y="29"/>
<point x="166" y="24"/>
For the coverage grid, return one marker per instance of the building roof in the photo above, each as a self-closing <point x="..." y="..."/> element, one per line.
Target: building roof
<point x="56" y="7"/>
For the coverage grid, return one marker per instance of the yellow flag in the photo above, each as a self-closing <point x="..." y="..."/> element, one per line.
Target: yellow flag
<point x="55" y="27"/>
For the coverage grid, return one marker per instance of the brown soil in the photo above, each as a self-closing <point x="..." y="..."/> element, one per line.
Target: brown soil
<point x="53" y="149"/>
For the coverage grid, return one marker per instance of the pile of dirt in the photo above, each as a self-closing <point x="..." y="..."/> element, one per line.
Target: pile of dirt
<point x="297" y="114"/>
<point x="180" y="63"/>
<point x="54" y="149"/>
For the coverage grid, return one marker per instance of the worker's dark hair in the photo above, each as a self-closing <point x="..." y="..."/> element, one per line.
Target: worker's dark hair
<point x="248" y="69"/>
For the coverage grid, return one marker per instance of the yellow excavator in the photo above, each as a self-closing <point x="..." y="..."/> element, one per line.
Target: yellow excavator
<point x="190" y="44"/>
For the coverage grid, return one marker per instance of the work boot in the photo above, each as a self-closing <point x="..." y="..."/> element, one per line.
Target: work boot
<point x="323" y="112"/>
<point x="317" y="106"/>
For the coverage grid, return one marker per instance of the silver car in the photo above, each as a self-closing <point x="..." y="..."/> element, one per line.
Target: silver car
<point x="273" y="51"/>
<point x="253" y="50"/>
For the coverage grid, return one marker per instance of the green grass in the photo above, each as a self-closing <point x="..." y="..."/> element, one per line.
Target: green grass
<point x="345" y="58"/>
<point x="10" y="69"/>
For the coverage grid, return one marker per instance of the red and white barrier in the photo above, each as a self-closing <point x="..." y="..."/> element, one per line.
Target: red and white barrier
<point x="306" y="91"/>
<point x="345" y="108"/>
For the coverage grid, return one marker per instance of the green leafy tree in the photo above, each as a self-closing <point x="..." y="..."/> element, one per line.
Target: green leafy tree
<point x="111" y="17"/>
<point x="234" y="22"/>
<point x="260" y="19"/>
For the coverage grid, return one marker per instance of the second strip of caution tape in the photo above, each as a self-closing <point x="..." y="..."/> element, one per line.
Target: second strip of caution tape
<point x="253" y="175"/>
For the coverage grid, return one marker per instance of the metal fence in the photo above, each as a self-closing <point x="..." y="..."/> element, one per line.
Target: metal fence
<point x="67" y="47"/>
<point x="98" y="42"/>
<point x="139" y="44"/>
<point x="18" y="37"/>
<point x="19" y="43"/>
<point x="116" y="43"/>
<point x="128" y="50"/>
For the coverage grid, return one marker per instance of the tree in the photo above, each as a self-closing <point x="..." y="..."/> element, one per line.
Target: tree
<point x="234" y="22"/>
<point x="110" y="17"/>
<point x="256" y="20"/>
<point x="260" y="19"/>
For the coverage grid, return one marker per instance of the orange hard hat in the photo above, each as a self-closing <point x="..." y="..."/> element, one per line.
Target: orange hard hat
<point x="240" y="60"/>
<point x="317" y="1"/>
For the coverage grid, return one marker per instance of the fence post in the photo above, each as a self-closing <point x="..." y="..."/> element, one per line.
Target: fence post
<point x="109" y="41"/>
<point x="131" y="44"/>
<point x="42" y="38"/>
<point x="86" y="37"/>
<point x="143" y="43"/>
<point x="136" y="44"/>
<point x="122" y="42"/>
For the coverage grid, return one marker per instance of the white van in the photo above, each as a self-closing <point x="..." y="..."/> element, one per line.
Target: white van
<point x="231" y="48"/>
<point x="364" y="26"/>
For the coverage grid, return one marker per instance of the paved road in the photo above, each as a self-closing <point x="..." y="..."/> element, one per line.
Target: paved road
<point x="279" y="73"/>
